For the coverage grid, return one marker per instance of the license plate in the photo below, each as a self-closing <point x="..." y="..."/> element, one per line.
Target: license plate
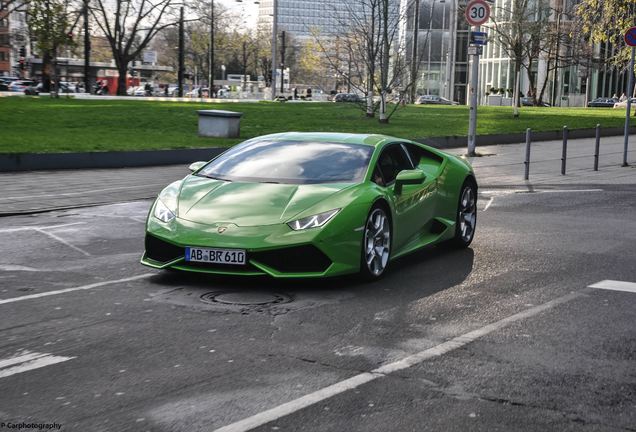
<point x="215" y="256"/>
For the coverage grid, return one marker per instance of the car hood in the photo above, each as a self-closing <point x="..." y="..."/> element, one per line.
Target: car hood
<point x="210" y="201"/>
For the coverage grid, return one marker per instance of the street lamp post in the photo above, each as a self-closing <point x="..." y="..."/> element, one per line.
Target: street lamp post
<point x="87" y="50"/>
<point x="211" y="55"/>
<point x="181" y="55"/>
<point x="274" y="53"/>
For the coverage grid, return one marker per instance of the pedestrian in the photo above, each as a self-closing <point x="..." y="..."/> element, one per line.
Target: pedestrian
<point x="165" y="90"/>
<point x="295" y="93"/>
<point x="199" y="90"/>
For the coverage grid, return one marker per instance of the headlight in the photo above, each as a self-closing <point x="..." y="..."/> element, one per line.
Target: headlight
<point x="315" y="221"/>
<point x="162" y="212"/>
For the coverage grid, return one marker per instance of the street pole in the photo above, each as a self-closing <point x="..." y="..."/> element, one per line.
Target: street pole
<point x="630" y="87"/>
<point x="472" y="123"/>
<point x="282" y="61"/>
<point x="414" y="56"/>
<point x="274" y="53"/>
<point x="181" y="55"/>
<point x="211" y="55"/>
<point x="87" y="50"/>
<point x="244" y="67"/>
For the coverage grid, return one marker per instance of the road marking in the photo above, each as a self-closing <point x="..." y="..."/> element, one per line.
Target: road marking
<point x="613" y="285"/>
<point x="79" y="288"/>
<point x="87" y="192"/>
<point x="288" y="408"/>
<point x="26" y="361"/>
<point x="64" y="242"/>
<point x="489" y="203"/>
<point x="39" y="227"/>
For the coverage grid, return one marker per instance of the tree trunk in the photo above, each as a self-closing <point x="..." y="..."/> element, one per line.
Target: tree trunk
<point x="46" y="71"/>
<point x="384" y="61"/>
<point x="370" y="111"/>
<point x="122" y="68"/>
<point x="516" y="98"/>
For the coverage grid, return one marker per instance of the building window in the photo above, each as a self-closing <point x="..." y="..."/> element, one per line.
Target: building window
<point x="4" y="56"/>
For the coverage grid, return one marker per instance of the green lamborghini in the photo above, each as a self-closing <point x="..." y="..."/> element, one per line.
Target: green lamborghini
<point x="312" y="205"/>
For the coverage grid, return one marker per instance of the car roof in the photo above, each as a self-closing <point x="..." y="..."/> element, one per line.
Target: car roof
<point x="373" y="140"/>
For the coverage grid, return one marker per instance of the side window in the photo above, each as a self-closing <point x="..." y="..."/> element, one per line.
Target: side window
<point x="377" y="177"/>
<point x="392" y="161"/>
<point x="417" y="153"/>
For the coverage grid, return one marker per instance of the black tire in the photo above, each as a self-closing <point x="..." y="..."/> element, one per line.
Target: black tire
<point x="375" y="251"/>
<point x="466" y="215"/>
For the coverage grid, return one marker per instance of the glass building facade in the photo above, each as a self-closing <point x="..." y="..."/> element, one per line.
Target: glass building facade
<point x="442" y="43"/>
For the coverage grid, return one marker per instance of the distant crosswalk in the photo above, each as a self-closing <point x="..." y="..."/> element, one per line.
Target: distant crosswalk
<point x="26" y="361"/>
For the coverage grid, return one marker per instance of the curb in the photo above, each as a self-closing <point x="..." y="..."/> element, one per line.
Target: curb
<point x="11" y="162"/>
<point x="517" y="138"/>
<point x="115" y="159"/>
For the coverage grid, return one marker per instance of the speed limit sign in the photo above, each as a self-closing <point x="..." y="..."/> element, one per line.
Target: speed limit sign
<point x="477" y="12"/>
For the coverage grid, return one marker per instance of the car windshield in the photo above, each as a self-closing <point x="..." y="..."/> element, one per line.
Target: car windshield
<point x="291" y="162"/>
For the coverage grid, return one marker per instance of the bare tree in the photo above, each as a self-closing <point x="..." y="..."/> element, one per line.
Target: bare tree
<point x="129" y="26"/>
<point x="367" y="51"/>
<point x="519" y="28"/>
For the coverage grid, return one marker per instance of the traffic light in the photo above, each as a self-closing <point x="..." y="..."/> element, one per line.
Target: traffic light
<point x="22" y="52"/>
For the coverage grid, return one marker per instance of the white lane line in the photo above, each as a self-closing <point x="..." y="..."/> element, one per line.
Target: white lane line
<point x="39" y="227"/>
<point x="27" y="361"/>
<point x="489" y="203"/>
<point x="288" y="408"/>
<point x="64" y="242"/>
<point x="79" y="288"/>
<point x="88" y="192"/>
<point x="613" y="285"/>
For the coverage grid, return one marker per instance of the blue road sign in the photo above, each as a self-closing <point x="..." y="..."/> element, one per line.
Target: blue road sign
<point x="630" y="37"/>
<point x="478" y="38"/>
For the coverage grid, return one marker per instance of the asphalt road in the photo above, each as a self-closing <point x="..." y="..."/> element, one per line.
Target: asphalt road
<point x="503" y="336"/>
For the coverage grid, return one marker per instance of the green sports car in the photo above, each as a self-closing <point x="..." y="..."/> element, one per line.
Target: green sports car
<point x="311" y="205"/>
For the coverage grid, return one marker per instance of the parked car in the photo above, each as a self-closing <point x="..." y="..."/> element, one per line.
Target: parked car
<point x="434" y="100"/>
<point x="347" y="97"/>
<point x="20" y="85"/>
<point x="5" y="82"/>
<point x="602" y="103"/>
<point x="623" y="104"/>
<point x="36" y="89"/>
<point x="527" y="101"/>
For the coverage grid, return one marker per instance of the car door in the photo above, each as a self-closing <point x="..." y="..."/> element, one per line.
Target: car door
<point x="411" y="214"/>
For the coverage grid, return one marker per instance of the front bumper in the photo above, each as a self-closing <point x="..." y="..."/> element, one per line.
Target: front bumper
<point x="274" y="250"/>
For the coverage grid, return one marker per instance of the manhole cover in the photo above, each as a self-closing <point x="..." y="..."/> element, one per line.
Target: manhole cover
<point x="246" y="298"/>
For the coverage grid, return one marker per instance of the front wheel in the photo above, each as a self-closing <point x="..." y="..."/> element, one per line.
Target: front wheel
<point x="376" y="244"/>
<point x="466" y="215"/>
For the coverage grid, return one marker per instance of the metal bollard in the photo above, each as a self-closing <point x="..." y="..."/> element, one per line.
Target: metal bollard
<point x="564" y="153"/>
<point x="596" y="148"/>
<point x="527" y="161"/>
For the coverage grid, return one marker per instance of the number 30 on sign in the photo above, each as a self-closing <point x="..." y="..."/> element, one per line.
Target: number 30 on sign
<point x="477" y="12"/>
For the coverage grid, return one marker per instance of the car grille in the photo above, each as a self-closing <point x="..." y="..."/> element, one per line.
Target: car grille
<point x="298" y="259"/>
<point x="246" y="268"/>
<point x="162" y="251"/>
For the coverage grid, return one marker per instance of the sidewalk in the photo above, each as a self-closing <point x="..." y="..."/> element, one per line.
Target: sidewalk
<point x="501" y="166"/>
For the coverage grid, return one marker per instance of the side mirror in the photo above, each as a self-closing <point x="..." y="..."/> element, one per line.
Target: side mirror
<point x="196" y="166"/>
<point x="408" y="177"/>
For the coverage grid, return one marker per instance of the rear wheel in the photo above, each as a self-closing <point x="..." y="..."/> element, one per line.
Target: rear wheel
<point x="466" y="221"/>
<point x="376" y="244"/>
